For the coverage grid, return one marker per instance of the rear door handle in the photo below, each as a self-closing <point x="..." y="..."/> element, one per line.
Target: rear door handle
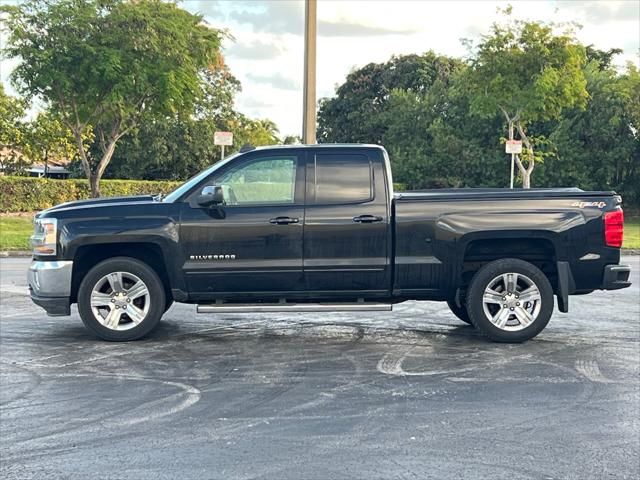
<point x="367" y="219"/>
<point x="283" y="220"/>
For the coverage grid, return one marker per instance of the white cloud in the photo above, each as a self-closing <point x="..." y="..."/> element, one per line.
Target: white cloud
<point x="267" y="56"/>
<point x="276" y="80"/>
<point x="354" y="33"/>
<point x="255" y="50"/>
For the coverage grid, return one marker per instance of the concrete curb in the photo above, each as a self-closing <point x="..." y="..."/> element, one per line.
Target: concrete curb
<point x="15" y="253"/>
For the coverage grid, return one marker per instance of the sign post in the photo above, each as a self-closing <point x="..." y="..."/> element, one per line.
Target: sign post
<point x="514" y="147"/>
<point x="222" y="139"/>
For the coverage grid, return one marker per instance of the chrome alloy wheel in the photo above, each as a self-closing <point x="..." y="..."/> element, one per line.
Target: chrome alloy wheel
<point x="511" y="301"/>
<point x="120" y="301"/>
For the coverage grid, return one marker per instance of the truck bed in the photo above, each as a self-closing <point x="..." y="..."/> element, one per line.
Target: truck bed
<point x="435" y="230"/>
<point x="497" y="193"/>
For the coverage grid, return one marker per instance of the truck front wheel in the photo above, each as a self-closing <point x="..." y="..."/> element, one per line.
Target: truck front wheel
<point x="121" y="299"/>
<point x="509" y="300"/>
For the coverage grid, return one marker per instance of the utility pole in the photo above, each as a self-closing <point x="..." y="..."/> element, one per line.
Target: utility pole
<point x="309" y="87"/>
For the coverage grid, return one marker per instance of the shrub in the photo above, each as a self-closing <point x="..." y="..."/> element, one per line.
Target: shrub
<point x="29" y="194"/>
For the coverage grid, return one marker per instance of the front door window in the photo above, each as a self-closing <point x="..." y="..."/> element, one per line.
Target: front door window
<point x="265" y="181"/>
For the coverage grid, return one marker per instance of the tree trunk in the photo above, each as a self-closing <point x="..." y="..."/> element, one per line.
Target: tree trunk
<point x="94" y="175"/>
<point x="94" y="179"/>
<point x="94" y="183"/>
<point x="526" y="172"/>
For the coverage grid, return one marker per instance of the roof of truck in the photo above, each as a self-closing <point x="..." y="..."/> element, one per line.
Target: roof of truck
<point x="322" y="145"/>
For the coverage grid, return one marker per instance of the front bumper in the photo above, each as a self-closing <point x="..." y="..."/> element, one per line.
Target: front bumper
<point x="50" y="286"/>
<point x="616" y="277"/>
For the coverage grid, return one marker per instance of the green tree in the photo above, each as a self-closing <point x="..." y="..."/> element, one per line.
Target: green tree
<point x="354" y="114"/>
<point x="527" y="73"/>
<point x="103" y="64"/>
<point x="219" y="89"/>
<point x="603" y="58"/>
<point x="47" y="138"/>
<point x="599" y="148"/>
<point x="433" y="142"/>
<point x="171" y="148"/>
<point x="177" y="147"/>
<point x="12" y="129"/>
<point x="253" y="132"/>
<point x="291" y="140"/>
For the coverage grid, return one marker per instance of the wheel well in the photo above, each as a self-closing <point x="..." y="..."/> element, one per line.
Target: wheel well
<point x="86" y="257"/>
<point x="538" y="251"/>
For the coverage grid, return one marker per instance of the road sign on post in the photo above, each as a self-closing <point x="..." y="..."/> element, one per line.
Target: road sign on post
<point x="514" y="147"/>
<point x="222" y="139"/>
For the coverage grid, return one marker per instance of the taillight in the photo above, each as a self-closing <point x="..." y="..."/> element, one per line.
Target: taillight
<point x="614" y="228"/>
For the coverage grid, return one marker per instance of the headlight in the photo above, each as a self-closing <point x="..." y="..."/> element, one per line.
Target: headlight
<point x="44" y="236"/>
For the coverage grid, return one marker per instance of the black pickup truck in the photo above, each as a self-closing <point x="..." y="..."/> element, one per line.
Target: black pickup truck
<point x="319" y="228"/>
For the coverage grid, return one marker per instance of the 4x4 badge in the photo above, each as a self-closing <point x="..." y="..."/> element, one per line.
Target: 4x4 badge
<point x="589" y="204"/>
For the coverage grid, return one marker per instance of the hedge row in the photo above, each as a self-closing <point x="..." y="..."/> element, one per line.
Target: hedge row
<point x="29" y="194"/>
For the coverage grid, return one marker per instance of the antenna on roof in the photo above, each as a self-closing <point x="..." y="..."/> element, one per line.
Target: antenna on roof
<point x="247" y="148"/>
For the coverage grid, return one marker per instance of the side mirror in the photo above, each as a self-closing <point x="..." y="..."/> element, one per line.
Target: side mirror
<point x="210" y="195"/>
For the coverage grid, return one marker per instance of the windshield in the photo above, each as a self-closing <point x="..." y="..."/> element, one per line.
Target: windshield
<point x="196" y="179"/>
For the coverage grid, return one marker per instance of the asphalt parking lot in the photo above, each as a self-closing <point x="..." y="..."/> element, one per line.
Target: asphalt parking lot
<point x="412" y="394"/>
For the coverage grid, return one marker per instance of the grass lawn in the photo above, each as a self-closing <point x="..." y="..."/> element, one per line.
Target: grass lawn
<point x="632" y="233"/>
<point x="15" y="232"/>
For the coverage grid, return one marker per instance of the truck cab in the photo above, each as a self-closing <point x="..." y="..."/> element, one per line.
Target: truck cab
<point x="291" y="223"/>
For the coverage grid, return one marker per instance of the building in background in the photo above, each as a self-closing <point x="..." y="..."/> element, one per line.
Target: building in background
<point x="14" y="162"/>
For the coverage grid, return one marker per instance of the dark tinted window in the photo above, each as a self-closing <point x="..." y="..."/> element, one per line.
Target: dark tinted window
<point x="343" y="178"/>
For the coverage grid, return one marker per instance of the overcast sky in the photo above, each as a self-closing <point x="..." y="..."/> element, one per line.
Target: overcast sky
<point x="266" y="54"/>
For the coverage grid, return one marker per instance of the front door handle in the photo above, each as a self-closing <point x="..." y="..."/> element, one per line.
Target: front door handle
<point x="283" y="220"/>
<point x="367" y="219"/>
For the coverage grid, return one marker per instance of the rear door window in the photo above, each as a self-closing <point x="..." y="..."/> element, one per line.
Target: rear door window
<point x="342" y="178"/>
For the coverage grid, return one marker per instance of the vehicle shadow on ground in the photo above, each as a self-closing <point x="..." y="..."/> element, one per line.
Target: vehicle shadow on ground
<point x="248" y="337"/>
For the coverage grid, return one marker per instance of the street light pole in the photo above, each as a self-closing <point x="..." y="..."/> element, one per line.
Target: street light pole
<point x="309" y="87"/>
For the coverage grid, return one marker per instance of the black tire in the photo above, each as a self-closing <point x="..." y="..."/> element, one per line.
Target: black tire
<point x="168" y="304"/>
<point x="476" y="309"/>
<point x="156" y="298"/>
<point x="460" y="312"/>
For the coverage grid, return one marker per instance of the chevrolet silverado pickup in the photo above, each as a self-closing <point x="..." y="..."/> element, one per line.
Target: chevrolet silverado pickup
<point x="319" y="228"/>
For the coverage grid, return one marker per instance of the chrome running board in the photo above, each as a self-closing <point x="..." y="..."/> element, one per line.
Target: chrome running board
<point x="294" y="307"/>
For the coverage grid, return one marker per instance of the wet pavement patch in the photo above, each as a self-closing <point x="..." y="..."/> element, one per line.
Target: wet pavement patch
<point x="409" y="394"/>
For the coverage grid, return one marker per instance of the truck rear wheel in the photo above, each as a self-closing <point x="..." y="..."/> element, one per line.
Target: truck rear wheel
<point x="459" y="311"/>
<point x="121" y="299"/>
<point x="510" y="300"/>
